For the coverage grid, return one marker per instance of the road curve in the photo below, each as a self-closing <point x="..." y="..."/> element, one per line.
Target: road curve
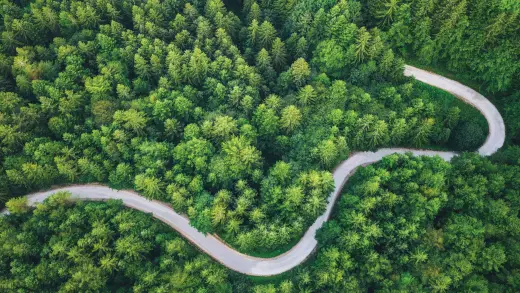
<point x="271" y="266"/>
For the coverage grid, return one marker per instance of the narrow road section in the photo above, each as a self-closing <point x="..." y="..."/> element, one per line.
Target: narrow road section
<point x="272" y="266"/>
<point x="497" y="129"/>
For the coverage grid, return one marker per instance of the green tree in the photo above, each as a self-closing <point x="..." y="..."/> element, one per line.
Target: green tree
<point x="362" y="43"/>
<point x="330" y="58"/>
<point x="307" y="95"/>
<point x="423" y="132"/>
<point x="197" y="66"/>
<point x="131" y="119"/>
<point x="279" y="54"/>
<point x="17" y="205"/>
<point x="388" y="11"/>
<point x="266" y="35"/>
<point x="241" y="156"/>
<point x="150" y="186"/>
<point x="291" y="118"/>
<point x="300" y="72"/>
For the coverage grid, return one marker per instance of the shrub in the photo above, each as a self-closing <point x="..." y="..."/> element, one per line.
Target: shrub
<point x="467" y="136"/>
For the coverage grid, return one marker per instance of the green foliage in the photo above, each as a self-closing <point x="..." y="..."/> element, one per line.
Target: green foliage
<point x="330" y="58"/>
<point x="509" y="155"/>
<point x="408" y="224"/>
<point x="236" y="123"/>
<point x="185" y="102"/>
<point x="300" y="72"/>
<point x="403" y="223"/>
<point x="17" y="205"/>
<point x="89" y="247"/>
<point x="475" y="38"/>
<point x="467" y="136"/>
<point x="474" y="42"/>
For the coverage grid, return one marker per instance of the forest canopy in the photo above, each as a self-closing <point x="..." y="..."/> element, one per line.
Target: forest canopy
<point x="405" y="224"/>
<point x="63" y="246"/>
<point x="476" y="41"/>
<point x="234" y="121"/>
<point x="236" y="117"/>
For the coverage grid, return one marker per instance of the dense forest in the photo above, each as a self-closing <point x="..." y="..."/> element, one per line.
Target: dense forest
<point x="230" y="121"/>
<point x="235" y="114"/>
<point x="405" y="224"/>
<point x="476" y="40"/>
<point x="63" y="246"/>
<point x="420" y="224"/>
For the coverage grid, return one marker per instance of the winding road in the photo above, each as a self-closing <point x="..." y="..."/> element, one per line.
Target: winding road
<point x="271" y="266"/>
